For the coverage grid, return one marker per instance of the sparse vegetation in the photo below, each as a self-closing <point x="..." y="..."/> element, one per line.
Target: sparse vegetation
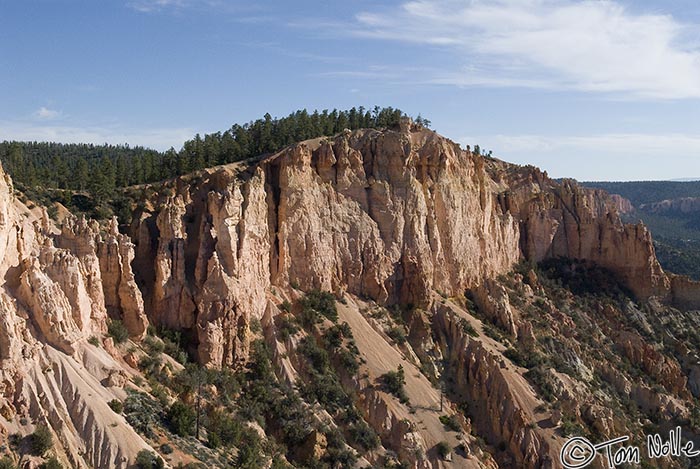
<point x="569" y="427"/>
<point x="443" y="449"/>
<point x="451" y="422"/>
<point x="143" y="413"/>
<point x="41" y="440"/>
<point x="116" y="405"/>
<point x="362" y="436"/>
<point x="287" y="326"/>
<point x="468" y="328"/>
<point x="181" y="419"/>
<point x="526" y="359"/>
<point x="397" y="334"/>
<point x="315" y="304"/>
<point x="394" y="382"/>
<point x="149" y="460"/>
<point x="117" y="331"/>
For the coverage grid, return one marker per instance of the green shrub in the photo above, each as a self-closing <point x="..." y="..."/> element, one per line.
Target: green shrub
<point x="320" y="302"/>
<point x="450" y="422"/>
<point x="151" y="365"/>
<point x="333" y="337"/>
<point x="166" y="449"/>
<point x="362" y="436"/>
<point x="142" y="412"/>
<point x="327" y="390"/>
<point x="287" y="327"/>
<point x="153" y="345"/>
<point x="7" y="463"/>
<point x="570" y="428"/>
<point x="148" y="460"/>
<point x="249" y="452"/>
<point x="394" y="382"/>
<point x="116" y="405"/>
<point x="41" y="440"/>
<point x="493" y="332"/>
<point x="397" y="334"/>
<point x="181" y="419"/>
<point x="117" y="331"/>
<point x="347" y="360"/>
<point x="525" y="359"/>
<point x="468" y="328"/>
<point x="286" y="306"/>
<point x="538" y="377"/>
<point x="443" y="449"/>
<point x="94" y="341"/>
<point x="223" y="429"/>
<point x="174" y="344"/>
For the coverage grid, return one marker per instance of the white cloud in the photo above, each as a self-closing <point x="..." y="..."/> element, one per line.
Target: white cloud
<point x="593" y="46"/>
<point x="44" y="113"/>
<point x="160" y="139"/>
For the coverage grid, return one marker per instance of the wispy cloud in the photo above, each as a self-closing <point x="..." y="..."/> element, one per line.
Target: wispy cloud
<point x="591" y="46"/>
<point x="44" y="113"/>
<point x="160" y="138"/>
<point x="147" y="6"/>
<point x="254" y="13"/>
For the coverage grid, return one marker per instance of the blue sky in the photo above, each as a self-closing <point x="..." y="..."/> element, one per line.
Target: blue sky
<point x="605" y="90"/>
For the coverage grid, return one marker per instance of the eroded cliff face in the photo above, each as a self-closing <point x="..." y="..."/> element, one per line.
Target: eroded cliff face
<point x="51" y="302"/>
<point x="564" y="219"/>
<point x="504" y="406"/>
<point x="393" y="217"/>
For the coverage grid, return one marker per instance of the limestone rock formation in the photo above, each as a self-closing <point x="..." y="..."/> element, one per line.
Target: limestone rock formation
<point x="682" y="205"/>
<point x="122" y="296"/>
<point x="390" y="215"/>
<point x="399" y="218"/>
<point x="623" y="205"/>
<point x="51" y="302"/>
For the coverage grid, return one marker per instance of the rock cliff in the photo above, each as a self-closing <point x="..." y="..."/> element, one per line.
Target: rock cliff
<point x="51" y="302"/>
<point x="399" y="218"/>
<point x="390" y="215"/>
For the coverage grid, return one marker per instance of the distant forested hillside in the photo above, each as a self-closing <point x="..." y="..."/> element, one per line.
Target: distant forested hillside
<point x="86" y="177"/>
<point x="646" y="192"/>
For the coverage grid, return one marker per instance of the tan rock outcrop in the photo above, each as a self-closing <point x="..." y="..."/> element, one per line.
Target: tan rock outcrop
<point x="663" y="369"/>
<point x="50" y="309"/>
<point x="123" y="298"/>
<point x="78" y="236"/>
<point x="622" y="204"/>
<point x="491" y="298"/>
<point x="51" y="301"/>
<point x="393" y="216"/>
<point x="501" y="402"/>
<point x="563" y="219"/>
<point x="172" y="303"/>
<point x="682" y="205"/>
